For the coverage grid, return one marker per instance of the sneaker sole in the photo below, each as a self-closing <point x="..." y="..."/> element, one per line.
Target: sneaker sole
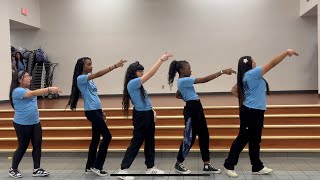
<point x="40" y="175"/>
<point x="257" y="173"/>
<point x="211" y="172"/>
<point x="225" y="170"/>
<point x="102" y="175"/>
<point x="97" y="173"/>
<point x="14" y="177"/>
<point x="182" y="172"/>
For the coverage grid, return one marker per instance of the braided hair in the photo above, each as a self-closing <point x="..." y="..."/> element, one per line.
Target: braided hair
<point x="75" y="92"/>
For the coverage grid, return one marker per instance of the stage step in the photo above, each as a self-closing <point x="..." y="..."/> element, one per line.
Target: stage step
<point x="292" y="128"/>
<point x="214" y="130"/>
<point x="173" y="111"/>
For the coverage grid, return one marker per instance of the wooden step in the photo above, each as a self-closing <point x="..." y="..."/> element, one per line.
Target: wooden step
<point x="278" y="119"/>
<point x="171" y="111"/>
<point x="214" y="130"/>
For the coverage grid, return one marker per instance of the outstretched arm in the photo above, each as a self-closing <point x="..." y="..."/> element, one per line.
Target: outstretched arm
<point x="107" y="70"/>
<point x="40" y="92"/>
<point x="276" y="60"/>
<point x="155" y="67"/>
<point x="210" y="77"/>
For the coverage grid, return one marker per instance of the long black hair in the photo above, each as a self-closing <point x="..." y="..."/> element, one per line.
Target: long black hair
<point x="75" y="92"/>
<point x="244" y="65"/>
<point x="16" y="76"/>
<point x="131" y="74"/>
<point x="174" y="68"/>
<point x="17" y="60"/>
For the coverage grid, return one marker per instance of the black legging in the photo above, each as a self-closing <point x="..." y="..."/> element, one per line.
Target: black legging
<point x="99" y="127"/>
<point x="25" y="133"/>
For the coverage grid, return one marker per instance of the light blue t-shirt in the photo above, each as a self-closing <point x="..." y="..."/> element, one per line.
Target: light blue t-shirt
<point x="254" y="89"/>
<point x="186" y="88"/>
<point x="89" y="93"/>
<point x="21" y="66"/>
<point x="135" y="95"/>
<point x="26" y="109"/>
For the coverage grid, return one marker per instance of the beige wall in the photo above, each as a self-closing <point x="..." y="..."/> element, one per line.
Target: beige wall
<point x="305" y="5"/>
<point x="11" y="10"/>
<point x="5" y="68"/>
<point x="210" y="34"/>
<point x="33" y="18"/>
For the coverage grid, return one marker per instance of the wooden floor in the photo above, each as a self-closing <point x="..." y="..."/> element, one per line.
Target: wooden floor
<point x="171" y="101"/>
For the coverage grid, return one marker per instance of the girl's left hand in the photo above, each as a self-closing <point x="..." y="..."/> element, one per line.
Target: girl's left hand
<point x="104" y="117"/>
<point x="154" y="116"/>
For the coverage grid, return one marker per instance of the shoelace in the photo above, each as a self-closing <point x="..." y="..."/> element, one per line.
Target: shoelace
<point x="211" y="167"/>
<point x="182" y="167"/>
<point x="14" y="171"/>
<point x="39" y="171"/>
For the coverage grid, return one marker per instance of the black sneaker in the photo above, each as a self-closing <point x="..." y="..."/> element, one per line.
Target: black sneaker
<point x="179" y="167"/>
<point x="99" y="172"/>
<point x="209" y="169"/>
<point x="40" y="172"/>
<point x="14" y="173"/>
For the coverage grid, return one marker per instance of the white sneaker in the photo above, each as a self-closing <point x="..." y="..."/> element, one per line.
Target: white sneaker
<point x="231" y="173"/>
<point x="154" y="170"/>
<point x="99" y="172"/>
<point x="123" y="172"/>
<point x="265" y="170"/>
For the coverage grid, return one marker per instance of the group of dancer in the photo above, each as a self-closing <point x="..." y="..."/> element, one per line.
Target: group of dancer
<point x="251" y="89"/>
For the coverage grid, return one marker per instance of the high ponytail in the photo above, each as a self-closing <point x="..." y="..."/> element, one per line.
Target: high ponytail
<point x="174" y="68"/>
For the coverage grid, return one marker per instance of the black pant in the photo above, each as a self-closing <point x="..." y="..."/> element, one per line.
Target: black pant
<point x="99" y="127"/>
<point x="144" y="129"/>
<point x="195" y="124"/>
<point x="251" y="124"/>
<point x="25" y="133"/>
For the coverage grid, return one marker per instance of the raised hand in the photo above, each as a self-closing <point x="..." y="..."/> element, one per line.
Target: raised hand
<point x="120" y="63"/>
<point x="291" y="52"/>
<point x="166" y="56"/>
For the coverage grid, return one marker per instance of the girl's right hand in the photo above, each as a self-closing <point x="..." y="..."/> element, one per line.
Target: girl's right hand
<point x="55" y="89"/>
<point x="120" y="63"/>
<point x="291" y="52"/>
<point x="166" y="56"/>
<point x="229" y="71"/>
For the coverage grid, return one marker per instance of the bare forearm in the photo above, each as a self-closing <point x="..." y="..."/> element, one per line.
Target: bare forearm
<point x="151" y="72"/>
<point x="155" y="68"/>
<point x="40" y="92"/>
<point x="208" y="78"/>
<point x="105" y="71"/>
<point x="276" y="60"/>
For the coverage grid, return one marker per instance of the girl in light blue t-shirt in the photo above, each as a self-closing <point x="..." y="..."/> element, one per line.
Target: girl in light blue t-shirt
<point x="26" y="121"/>
<point x="251" y="91"/>
<point x="82" y="83"/>
<point x="143" y="117"/>
<point x="195" y="121"/>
